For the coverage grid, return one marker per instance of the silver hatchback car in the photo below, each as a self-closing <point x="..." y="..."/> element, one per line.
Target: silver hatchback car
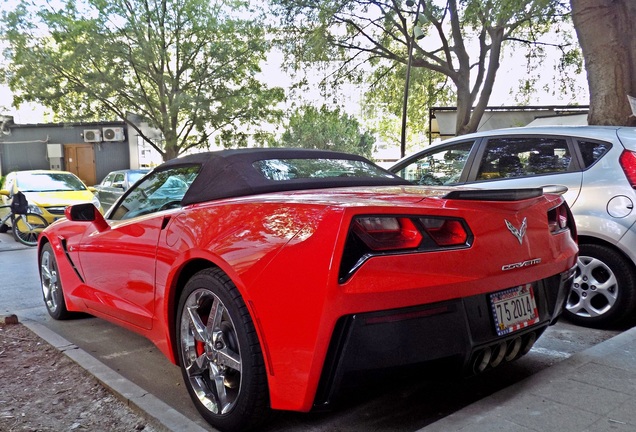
<point x="596" y="164"/>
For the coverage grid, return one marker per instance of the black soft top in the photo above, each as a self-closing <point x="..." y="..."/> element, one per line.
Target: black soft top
<point x="232" y="173"/>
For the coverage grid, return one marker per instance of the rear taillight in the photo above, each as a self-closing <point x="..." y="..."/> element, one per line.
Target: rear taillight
<point x="379" y="235"/>
<point x="445" y="232"/>
<point x="560" y="219"/>
<point x="628" y="163"/>
<point x="387" y="233"/>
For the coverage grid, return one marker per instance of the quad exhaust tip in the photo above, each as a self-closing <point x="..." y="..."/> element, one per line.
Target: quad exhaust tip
<point x="512" y="349"/>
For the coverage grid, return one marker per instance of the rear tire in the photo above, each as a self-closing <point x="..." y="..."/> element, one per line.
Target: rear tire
<point x="604" y="289"/>
<point x="220" y="355"/>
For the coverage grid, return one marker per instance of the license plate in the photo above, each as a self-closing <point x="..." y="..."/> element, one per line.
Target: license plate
<point x="514" y="309"/>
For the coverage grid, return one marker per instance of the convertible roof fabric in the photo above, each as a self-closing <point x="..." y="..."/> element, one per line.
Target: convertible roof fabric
<point x="232" y="173"/>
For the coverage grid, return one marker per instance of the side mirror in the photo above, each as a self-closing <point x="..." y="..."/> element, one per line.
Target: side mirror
<point x="86" y="212"/>
<point x="5" y="192"/>
<point x="119" y="185"/>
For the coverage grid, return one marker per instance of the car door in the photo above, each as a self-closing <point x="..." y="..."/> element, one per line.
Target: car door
<point x="509" y="162"/>
<point x="118" y="264"/>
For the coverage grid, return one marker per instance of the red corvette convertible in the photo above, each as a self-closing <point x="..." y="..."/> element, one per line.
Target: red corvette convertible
<point x="269" y="275"/>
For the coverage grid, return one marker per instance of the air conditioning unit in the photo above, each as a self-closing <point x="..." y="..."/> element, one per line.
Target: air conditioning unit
<point x="92" y="135"/>
<point x="113" y="134"/>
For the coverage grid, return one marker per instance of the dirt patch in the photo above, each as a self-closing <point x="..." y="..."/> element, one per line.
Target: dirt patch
<point x="41" y="390"/>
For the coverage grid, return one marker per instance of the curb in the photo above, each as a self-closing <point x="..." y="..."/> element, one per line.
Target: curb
<point x="147" y="405"/>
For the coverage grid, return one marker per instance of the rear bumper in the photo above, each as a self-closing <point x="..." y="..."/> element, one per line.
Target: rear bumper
<point x="461" y="330"/>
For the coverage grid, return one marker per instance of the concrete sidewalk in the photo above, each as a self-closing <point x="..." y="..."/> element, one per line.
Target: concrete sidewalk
<point x="594" y="390"/>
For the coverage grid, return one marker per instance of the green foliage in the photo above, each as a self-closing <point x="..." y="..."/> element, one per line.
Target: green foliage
<point x="461" y="46"/>
<point x="187" y="67"/>
<point x="384" y="101"/>
<point x="325" y="129"/>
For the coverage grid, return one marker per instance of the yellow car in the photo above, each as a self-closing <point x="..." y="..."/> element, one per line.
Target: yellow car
<point x="50" y="192"/>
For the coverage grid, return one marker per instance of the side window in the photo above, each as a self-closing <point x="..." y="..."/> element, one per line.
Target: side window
<point x="119" y="178"/>
<point x="592" y="151"/>
<point x="161" y="191"/>
<point x="108" y="180"/>
<point x="440" y="167"/>
<point x="512" y="157"/>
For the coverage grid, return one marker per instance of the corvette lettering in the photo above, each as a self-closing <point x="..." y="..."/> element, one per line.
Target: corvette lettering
<point x="521" y="264"/>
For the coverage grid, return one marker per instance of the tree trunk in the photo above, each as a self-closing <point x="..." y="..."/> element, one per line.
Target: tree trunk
<point x="607" y="35"/>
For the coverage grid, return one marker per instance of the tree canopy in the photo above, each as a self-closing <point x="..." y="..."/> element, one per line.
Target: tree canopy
<point x="458" y="41"/>
<point x="187" y="67"/>
<point x="325" y="129"/>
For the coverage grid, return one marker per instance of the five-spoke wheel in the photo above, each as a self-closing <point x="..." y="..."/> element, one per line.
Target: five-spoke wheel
<point x="603" y="290"/>
<point x="220" y="356"/>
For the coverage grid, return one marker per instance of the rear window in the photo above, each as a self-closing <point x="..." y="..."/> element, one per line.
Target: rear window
<point x="592" y="151"/>
<point x="288" y="169"/>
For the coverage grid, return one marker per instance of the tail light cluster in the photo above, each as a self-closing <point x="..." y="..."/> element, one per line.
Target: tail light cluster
<point x="377" y="235"/>
<point x="628" y="163"/>
<point x="560" y="219"/>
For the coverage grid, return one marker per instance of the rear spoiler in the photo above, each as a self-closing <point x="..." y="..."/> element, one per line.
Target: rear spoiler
<point x="495" y="194"/>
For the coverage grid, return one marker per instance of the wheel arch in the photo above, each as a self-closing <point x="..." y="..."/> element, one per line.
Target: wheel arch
<point x="184" y="274"/>
<point x="585" y="239"/>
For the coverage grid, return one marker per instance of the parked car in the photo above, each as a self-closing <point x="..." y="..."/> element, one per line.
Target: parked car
<point x="50" y="192"/>
<point x="116" y="183"/>
<point x="598" y="167"/>
<point x="270" y="280"/>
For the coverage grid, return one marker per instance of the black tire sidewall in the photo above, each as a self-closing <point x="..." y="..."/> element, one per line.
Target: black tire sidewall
<point x="626" y="282"/>
<point x="247" y="410"/>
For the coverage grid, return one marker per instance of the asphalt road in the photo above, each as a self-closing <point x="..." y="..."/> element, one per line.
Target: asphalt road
<point x="405" y="402"/>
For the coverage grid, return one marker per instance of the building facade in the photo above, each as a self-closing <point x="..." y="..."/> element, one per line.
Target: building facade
<point x="88" y="149"/>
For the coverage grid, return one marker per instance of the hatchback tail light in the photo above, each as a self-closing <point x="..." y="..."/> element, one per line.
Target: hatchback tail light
<point x="628" y="163"/>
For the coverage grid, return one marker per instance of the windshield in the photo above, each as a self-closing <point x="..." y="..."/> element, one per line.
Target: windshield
<point x="49" y="182"/>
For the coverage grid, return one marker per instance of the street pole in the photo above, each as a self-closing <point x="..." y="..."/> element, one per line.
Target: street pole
<point x="411" y="42"/>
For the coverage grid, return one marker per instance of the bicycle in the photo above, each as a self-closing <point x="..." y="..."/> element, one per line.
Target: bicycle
<point x="26" y="227"/>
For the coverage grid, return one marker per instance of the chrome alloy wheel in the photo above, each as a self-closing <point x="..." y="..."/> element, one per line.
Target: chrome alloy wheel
<point x="210" y="351"/>
<point x="51" y="289"/>
<point x="595" y="289"/>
